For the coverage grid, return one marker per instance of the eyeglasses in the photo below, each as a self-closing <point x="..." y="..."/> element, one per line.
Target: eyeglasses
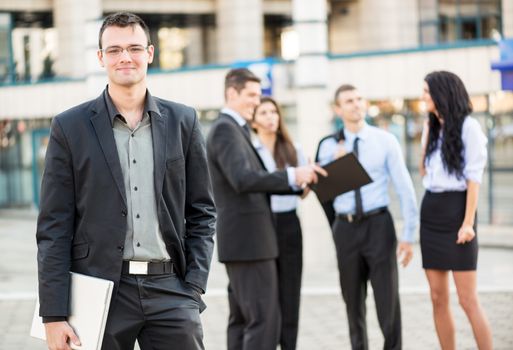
<point x="116" y="51"/>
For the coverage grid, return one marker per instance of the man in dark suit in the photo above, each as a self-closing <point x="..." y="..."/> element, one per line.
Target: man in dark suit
<point x="126" y="196"/>
<point x="247" y="242"/>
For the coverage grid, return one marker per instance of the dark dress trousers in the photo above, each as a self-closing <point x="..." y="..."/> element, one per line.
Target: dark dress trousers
<point x="82" y="222"/>
<point x="246" y="237"/>
<point x="290" y="267"/>
<point x="366" y="252"/>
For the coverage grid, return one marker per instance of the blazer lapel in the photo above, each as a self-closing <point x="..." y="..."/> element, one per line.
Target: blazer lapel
<point x="247" y="137"/>
<point x="158" y="130"/>
<point x="103" y="129"/>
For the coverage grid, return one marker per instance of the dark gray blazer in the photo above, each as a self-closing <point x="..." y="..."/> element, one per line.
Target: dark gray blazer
<point x="82" y="220"/>
<point x="245" y="225"/>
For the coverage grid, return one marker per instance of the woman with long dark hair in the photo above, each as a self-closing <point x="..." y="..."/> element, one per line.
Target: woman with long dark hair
<point x="277" y="151"/>
<point x="454" y="157"/>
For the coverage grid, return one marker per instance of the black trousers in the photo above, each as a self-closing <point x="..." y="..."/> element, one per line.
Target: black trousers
<point x="254" y="321"/>
<point x="367" y="251"/>
<point x="290" y="267"/>
<point x="160" y="311"/>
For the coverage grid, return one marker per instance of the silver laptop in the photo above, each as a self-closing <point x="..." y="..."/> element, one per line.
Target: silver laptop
<point x="89" y="307"/>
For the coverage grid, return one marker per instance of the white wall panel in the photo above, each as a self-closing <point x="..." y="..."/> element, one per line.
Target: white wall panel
<point x="41" y="100"/>
<point x="378" y="77"/>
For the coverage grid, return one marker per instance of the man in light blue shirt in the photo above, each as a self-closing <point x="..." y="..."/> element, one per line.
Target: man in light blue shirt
<point x="363" y="230"/>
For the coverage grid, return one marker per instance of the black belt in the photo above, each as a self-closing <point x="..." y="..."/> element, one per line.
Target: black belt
<point x="364" y="216"/>
<point x="285" y="213"/>
<point x="147" y="268"/>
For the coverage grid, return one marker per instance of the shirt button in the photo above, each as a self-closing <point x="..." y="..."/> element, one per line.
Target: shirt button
<point x="134" y="161"/>
<point x="137" y="216"/>
<point x="135" y="188"/>
<point x="138" y="244"/>
<point x="123" y="212"/>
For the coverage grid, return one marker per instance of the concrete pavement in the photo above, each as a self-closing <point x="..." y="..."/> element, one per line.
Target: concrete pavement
<point x="323" y="322"/>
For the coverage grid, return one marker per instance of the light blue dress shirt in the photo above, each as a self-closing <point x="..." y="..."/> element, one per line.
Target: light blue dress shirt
<point x="291" y="172"/>
<point x="437" y="179"/>
<point x="381" y="156"/>
<point x="279" y="203"/>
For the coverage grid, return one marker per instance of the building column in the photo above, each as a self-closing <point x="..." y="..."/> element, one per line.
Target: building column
<point x="194" y="52"/>
<point x="507" y="19"/>
<point x="311" y="71"/>
<point x="73" y="22"/>
<point x="312" y="110"/>
<point x="390" y="24"/>
<point x="240" y="30"/>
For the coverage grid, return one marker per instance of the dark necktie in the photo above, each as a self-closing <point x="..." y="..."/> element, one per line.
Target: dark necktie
<point x="357" y="192"/>
<point x="245" y="127"/>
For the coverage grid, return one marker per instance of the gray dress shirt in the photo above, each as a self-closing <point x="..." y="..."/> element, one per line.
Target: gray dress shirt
<point x="143" y="240"/>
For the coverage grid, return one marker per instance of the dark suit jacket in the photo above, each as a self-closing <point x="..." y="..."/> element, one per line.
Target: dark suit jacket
<point x="245" y="225"/>
<point x="82" y="220"/>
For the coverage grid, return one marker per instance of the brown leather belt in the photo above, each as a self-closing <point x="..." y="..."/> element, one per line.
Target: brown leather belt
<point x="364" y="216"/>
<point x="147" y="268"/>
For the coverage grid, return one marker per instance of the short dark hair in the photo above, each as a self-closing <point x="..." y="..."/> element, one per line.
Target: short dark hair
<point x="123" y="19"/>
<point x="341" y="89"/>
<point x="238" y="77"/>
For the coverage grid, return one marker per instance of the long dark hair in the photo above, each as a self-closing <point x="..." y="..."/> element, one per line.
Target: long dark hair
<point x="452" y="104"/>
<point x="284" y="151"/>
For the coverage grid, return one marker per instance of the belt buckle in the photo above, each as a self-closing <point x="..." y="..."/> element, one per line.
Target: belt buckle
<point x="349" y="218"/>
<point x="138" y="267"/>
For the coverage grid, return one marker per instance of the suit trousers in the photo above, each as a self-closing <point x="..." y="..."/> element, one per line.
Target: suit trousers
<point x="366" y="250"/>
<point x="160" y="311"/>
<point x="290" y="266"/>
<point x="254" y="321"/>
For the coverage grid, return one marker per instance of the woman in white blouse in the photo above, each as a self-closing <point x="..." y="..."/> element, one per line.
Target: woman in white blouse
<point x="277" y="151"/>
<point x="454" y="157"/>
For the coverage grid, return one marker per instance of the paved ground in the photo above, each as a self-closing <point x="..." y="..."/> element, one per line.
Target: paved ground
<point x="323" y="322"/>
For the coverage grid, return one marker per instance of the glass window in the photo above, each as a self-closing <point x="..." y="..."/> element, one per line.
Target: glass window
<point x="442" y="21"/>
<point x="5" y="48"/>
<point x="172" y="42"/>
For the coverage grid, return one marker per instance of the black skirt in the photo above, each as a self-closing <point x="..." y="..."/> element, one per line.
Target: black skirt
<point x="441" y="216"/>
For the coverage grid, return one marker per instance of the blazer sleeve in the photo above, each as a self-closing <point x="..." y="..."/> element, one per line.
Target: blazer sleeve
<point x="55" y="225"/>
<point x="200" y="213"/>
<point x="237" y="169"/>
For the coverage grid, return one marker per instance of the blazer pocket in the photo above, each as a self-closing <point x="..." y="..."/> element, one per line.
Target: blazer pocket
<point x="175" y="163"/>
<point x="79" y="251"/>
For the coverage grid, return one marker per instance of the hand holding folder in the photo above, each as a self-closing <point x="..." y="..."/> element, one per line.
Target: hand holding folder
<point x="89" y="307"/>
<point x="344" y="174"/>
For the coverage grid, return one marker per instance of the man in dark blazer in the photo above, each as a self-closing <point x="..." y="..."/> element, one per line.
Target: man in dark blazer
<point x="126" y="196"/>
<point x="247" y="242"/>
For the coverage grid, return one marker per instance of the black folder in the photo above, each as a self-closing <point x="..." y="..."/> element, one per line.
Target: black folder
<point x="344" y="174"/>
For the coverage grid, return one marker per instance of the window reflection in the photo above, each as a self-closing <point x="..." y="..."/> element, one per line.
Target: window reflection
<point x="172" y="43"/>
<point x="443" y="21"/>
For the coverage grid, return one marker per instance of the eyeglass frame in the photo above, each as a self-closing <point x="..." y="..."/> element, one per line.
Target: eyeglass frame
<point x="123" y="49"/>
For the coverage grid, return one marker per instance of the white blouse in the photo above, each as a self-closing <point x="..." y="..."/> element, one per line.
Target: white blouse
<point x="437" y="179"/>
<point x="279" y="203"/>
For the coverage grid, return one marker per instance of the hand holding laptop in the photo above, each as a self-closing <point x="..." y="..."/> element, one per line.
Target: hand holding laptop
<point x="89" y="306"/>
<point x="59" y="335"/>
